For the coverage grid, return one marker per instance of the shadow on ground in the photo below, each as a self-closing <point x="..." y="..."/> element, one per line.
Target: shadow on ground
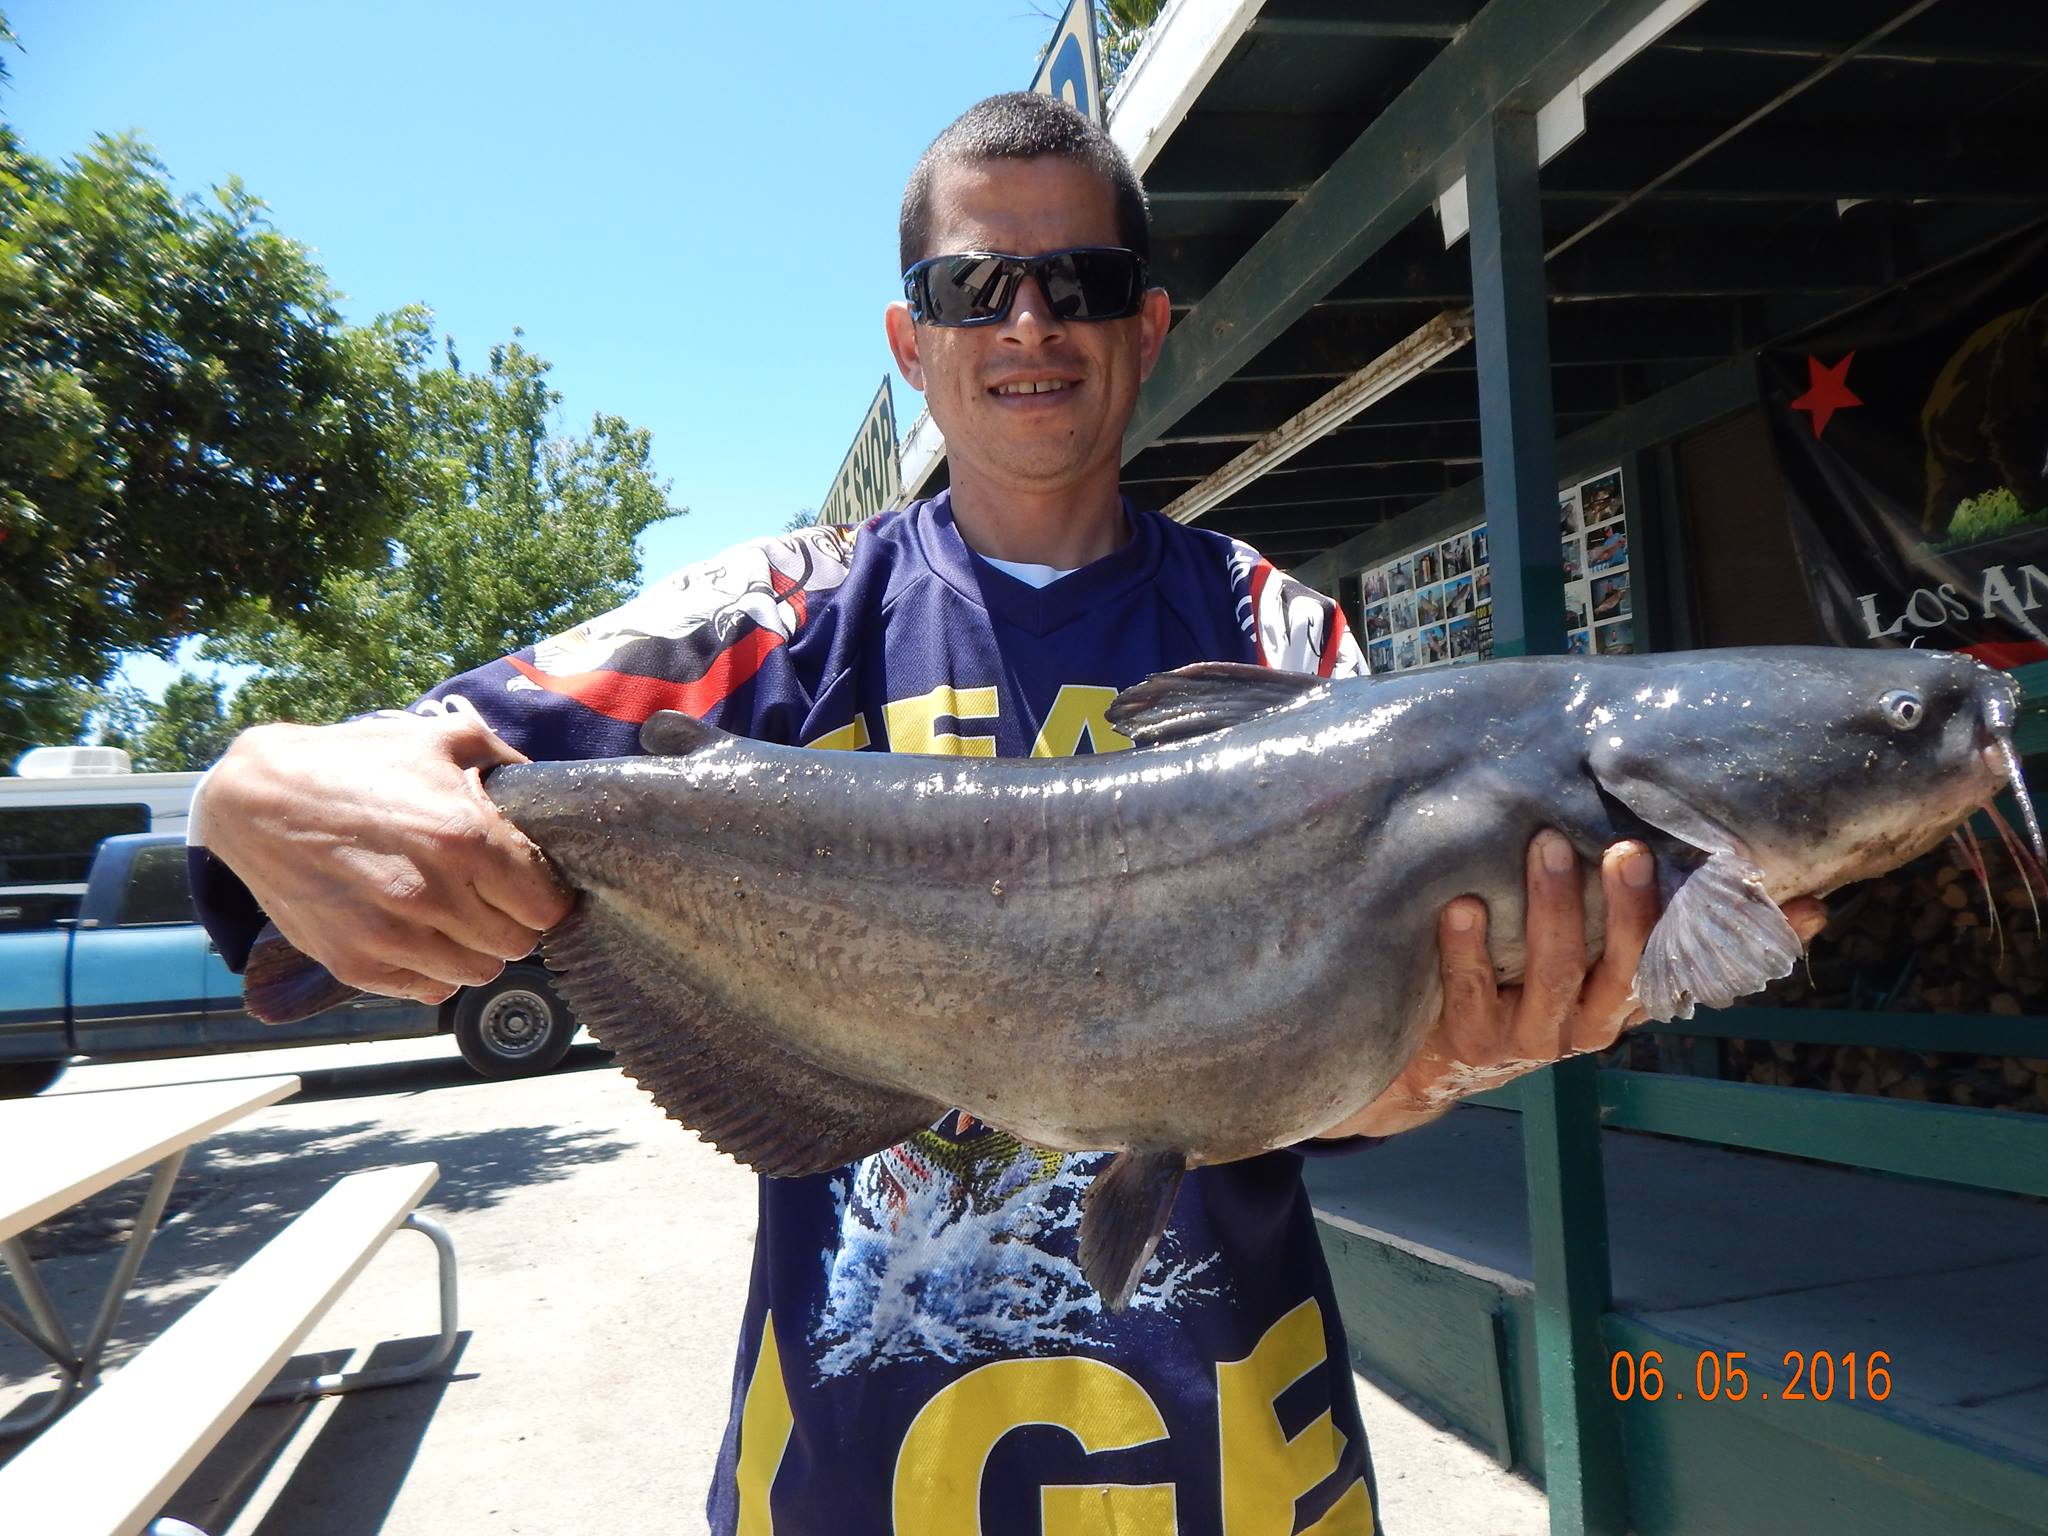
<point x="243" y="1187"/>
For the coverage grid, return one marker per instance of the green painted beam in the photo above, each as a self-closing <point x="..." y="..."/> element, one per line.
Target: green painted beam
<point x="1515" y="53"/>
<point x="1982" y="1034"/>
<point x="1982" y="1148"/>
<point x="1582" y="1454"/>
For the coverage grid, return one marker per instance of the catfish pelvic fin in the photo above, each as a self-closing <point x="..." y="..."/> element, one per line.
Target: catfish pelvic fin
<point x="1720" y="938"/>
<point x="671" y="733"/>
<point x="709" y="1065"/>
<point x="282" y="986"/>
<point x="1205" y="697"/>
<point x="1123" y="1216"/>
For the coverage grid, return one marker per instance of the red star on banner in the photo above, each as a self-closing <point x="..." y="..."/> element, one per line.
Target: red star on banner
<point x="1827" y="391"/>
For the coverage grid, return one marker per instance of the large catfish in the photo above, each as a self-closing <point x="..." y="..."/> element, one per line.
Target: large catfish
<point x="1222" y="942"/>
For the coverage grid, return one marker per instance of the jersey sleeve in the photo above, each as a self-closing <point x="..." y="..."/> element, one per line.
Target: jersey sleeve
<point x="716" y="640"/>
<point x="1292" y="626"/>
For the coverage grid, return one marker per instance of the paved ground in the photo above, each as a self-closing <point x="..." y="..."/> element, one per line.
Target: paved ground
<point x="603" y="1260"/>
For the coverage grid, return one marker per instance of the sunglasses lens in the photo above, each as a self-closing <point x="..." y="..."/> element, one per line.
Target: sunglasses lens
<point x="964" y="290"/>
<point x="1092" y="285"/>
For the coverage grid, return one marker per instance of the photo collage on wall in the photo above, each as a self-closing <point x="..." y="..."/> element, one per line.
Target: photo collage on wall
<point x="1434" y="605"/>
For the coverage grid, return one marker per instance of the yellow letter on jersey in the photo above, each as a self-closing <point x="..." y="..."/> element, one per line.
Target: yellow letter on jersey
<point x="765" y="1424"/>
<point x="1078" y="709"/>
<point x="913" y="723"/>
<point x="938" y="1470"/>
<point x="1263" y="1471"/>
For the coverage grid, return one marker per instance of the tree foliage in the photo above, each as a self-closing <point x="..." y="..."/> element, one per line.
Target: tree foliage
<point x="518" y="531"/>
<point x="186" y="426"/>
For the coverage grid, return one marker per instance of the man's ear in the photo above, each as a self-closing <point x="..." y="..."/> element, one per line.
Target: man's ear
<point x="1154" y="320"/>
<point x="903" y="343"/>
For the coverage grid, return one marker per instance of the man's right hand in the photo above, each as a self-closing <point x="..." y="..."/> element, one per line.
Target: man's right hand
<point x="375" y="850"/>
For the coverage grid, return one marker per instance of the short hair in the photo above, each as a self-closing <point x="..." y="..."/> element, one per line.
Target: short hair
<point x="1021" y="125"/>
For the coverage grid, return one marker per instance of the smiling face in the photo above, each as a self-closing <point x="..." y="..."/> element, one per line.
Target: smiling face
<point x="1032" y="405"/>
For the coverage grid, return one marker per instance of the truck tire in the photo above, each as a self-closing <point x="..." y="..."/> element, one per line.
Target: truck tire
<point x="20" y="1079"/>
<point x="514" y="1026"/>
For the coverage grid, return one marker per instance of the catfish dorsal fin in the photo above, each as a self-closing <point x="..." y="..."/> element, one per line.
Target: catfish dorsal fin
<point x="1208" y="696"/>
<point x="671" y="733"/>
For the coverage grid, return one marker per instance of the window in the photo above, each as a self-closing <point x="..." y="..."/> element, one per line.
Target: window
<point x="158" y="889"/>
<point x="52" y="844"/>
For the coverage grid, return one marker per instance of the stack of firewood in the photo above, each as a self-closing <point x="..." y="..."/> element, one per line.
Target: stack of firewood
<point x="1924" y="939"/>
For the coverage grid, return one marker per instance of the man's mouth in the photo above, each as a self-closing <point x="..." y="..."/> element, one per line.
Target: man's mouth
<point x="1034" y="386"/>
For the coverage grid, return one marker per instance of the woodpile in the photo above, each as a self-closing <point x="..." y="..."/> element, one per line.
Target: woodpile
<point x="1921" y="940"/>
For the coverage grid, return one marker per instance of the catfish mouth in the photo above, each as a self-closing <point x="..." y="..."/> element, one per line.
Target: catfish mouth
<point x="2028" y="855"/>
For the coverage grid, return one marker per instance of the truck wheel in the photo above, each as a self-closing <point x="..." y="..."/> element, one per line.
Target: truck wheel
<point x="19" y="1079"/>
<point x="514" y="1026"/>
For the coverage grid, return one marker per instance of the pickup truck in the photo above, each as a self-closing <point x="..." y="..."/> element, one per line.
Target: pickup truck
<point x="134" y="975"/>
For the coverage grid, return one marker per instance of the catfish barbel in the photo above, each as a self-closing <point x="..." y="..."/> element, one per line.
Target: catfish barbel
<point x="1222" y="942"/>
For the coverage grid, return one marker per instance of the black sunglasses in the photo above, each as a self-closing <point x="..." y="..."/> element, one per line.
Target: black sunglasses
<point x="1090" y="282"/>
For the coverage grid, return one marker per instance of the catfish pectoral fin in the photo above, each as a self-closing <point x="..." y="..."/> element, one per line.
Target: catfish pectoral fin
<point x="1720" y="938"/>
<point x="282" y="986"/>
<point x="1123" y="1216"/>
<point x="709" y="1064"/>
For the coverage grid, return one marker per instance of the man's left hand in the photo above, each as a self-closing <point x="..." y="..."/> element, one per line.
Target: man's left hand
<point x="1488" y="1034"/>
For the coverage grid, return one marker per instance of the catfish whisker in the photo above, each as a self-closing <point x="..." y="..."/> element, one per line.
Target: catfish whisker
<point x="2029" y="871"/>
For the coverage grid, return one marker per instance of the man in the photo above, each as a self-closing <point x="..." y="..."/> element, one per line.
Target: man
<point x="919" y="1352"/>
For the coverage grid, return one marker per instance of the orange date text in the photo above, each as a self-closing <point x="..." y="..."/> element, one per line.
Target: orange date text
<point x="1730" y="1375"/>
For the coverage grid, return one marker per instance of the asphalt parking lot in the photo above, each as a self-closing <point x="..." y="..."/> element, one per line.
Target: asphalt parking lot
<point x="603" y="1255"/>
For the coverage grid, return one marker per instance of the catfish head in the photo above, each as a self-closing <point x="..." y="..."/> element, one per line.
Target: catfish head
<point x="1768" y="774"/>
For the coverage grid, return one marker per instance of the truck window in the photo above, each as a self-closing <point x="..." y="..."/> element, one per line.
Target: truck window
<point x="49" y="844"/>
<point x="158" y="887"/>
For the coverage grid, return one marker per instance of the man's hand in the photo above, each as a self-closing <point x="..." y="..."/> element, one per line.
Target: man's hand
<point x="1487" y="1035"/>
<point x="374" y="849"/>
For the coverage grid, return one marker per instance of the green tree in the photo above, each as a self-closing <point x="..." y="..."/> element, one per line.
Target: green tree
<point x="188" y="728"/>
<point x="186" y="425"/>
<point x="519" y="531"/>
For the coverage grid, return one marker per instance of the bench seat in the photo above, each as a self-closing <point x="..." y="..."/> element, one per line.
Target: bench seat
<point x="107" y="1466"/>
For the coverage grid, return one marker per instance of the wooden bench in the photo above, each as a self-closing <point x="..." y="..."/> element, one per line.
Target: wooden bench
<point x="107" y="1466"/>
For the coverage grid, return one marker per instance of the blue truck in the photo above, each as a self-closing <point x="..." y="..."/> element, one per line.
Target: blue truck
<point x="134" y="975"/>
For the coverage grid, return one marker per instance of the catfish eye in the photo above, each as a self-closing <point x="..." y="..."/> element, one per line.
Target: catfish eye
<point x="1902" y="709"/>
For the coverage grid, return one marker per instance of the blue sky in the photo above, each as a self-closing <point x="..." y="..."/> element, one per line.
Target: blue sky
<point x="689" y="208"/>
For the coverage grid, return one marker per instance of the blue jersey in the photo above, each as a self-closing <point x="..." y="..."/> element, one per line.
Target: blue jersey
<point x="920" y="1353"/>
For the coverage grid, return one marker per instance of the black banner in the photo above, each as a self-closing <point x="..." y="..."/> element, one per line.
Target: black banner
<point x="1913" y="439"/>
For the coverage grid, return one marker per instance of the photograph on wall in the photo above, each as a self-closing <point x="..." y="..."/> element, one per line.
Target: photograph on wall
<point x="1607" y="548"/>
<point x="1428" y="568"/>
<point x="1600" y="500"/>
<point x="1376" y="621"/>
<point x="1404" y="651"/>
<point x="1379" y="655"/>
<point x="1574" y="561"/>
<point x="1576" y="643"/>
<point x="1457" y="555"/>
<point x="1610" y="597"/>
<point x="1401" y="576"/>
<point x="1568" y="513"/>
<point x="1436" y="645"/>
<point x="1464" y="641"/>
<point x="1375" y="583"/>
<point x="1575" y="605"/>
<point x="1482" y="585"/>
<point x="1429" y="605"/>
<point x="1458" y="597"/>
<point x="1616" y="639"/>
<point x="1401" y="612"/>
<point x="1479" y="555"/>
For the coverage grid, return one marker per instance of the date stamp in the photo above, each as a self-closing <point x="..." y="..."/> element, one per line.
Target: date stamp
<point x="1717" y="1376"/>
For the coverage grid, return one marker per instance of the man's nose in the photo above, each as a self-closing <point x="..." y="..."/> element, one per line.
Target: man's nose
<point x="1032" y="317"/>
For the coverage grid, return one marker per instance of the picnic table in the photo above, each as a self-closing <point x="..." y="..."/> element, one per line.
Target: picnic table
<point x="108" y="1455"/>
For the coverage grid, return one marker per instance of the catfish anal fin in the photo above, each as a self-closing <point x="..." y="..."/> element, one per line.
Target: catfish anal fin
<point x="282" y="986"/>
<point x="710" y="1066"/>
<point x="1208" y="696"/>
<point x="1720" y="938"/>
<point x="1123" y="1216"/>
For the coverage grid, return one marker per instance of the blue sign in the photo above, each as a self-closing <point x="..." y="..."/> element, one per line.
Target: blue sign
<point x="1070" y="69"/>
